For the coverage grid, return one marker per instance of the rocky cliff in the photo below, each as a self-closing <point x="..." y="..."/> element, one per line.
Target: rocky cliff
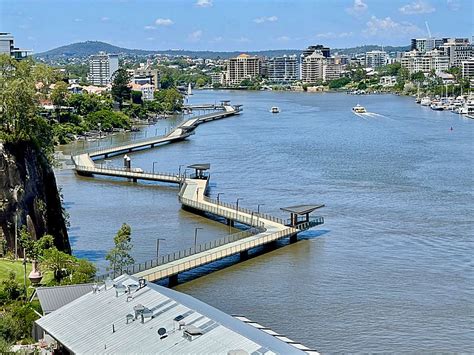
<point x="28" y="189"/>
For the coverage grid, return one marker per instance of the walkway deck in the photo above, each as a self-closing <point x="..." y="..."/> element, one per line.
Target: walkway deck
<point x="192" y="194"/>
<point x="84" y="165"/>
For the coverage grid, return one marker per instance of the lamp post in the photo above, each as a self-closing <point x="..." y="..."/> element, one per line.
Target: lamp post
<point x="195" y="237"/>
<point x="237" y="207"/>
<point x="258" y="211"/>
<point x="158" y="247"/>
<point x="179" y="169"/>
<point x="220" y="193"/>
<point x="155" y="162"/>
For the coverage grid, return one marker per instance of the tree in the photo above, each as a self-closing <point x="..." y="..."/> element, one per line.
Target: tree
<point x="58" y="262"/>
<point x="119" y="256"/>
<point x="339" y="83"/>
<point x="137" y="97"/>
<point x="59" y="94"/>
<point x="120" y="86"/>
<point x="166" y="80"/>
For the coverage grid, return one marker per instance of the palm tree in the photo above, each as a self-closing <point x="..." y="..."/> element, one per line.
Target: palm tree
<point x="58" y="263"/>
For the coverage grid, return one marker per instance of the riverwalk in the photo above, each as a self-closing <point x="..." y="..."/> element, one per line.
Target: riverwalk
<point x="263" y="229"/>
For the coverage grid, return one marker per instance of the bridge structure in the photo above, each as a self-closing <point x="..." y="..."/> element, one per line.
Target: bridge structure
<point x="193" y="195"/>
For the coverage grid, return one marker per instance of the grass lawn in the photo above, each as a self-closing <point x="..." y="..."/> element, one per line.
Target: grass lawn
<point x="7" y="265"/>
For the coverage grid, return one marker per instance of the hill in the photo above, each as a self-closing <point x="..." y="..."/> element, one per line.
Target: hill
<point x="85" y="49"/>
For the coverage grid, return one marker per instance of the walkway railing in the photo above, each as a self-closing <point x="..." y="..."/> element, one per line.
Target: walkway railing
<point x="246" y="210"/>
<point x="127" y="172"/>
<point x="168" y="258"/>
<point x="251" y="221"/>
<point x="209" y="257"/>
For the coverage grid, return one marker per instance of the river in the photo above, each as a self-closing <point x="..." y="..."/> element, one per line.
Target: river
<point x="392" y="267"/>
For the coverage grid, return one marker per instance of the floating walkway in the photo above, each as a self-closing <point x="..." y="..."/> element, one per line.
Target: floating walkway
<point x="264" y="229"/>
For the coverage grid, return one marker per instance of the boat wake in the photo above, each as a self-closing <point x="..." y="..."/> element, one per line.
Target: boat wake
<point x="367" y="115"/>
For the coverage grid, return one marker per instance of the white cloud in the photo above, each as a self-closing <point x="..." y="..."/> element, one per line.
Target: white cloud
<point x="358" y="7"/>
<point x="216" y="39"/>
<point x="149" y="28"/>
<point x="204" y="3"/>
<point x="265" y="19"/>
<point x="105" y="19"/>
<point x="150" y="38"/>
<point x="195" y="36"/>
<point x="417" y="7"/>
<point x="164" y="22"/>
<point x="283" y="38"/>
<point x="389" y="28"/>
<point x="453" y="5"/>
<point x="77" y="20"/>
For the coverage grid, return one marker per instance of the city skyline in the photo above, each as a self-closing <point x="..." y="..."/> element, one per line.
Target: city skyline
<point x="232" y="25"/>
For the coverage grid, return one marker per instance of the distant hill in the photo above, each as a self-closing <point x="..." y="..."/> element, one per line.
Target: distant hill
<point x="85" y="49"/>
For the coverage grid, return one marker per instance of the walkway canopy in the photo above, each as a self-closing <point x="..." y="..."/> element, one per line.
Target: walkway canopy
<point x="300" y="210"/>
<point x="199" y="170"/>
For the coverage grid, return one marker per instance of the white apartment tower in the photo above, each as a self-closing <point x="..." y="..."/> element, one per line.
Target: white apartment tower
<point x="243" y="67"/>
<point x="283" y="69"/>
<point x="312" y="68"/>
<point x="102" y="67"/>
<point x="375" y="59"/>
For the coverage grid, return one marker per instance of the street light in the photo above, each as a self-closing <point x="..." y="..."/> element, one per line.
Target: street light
<point x="220" y="193"/>
<point x="258" y="211"/>
<point x="195" y="237"/>
<point x="155" y="162"/>
<point x="237" y="208"/>
<point x="158" y="247"/>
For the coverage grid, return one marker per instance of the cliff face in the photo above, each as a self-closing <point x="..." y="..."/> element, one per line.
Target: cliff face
<point x="28" y="187"/>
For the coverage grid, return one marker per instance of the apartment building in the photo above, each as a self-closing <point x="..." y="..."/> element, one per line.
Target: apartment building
<point x="7" y="46"/>
<point x="376" y="59"/>
<point x="312" y="68"/>
<point x="102" y="67"/>
<point x="467" y="68"/>
<point x="457" y="51"/>
<point x="415" y="61"/>
<point x="283" y="69"/>
<point x="243" y="67"/>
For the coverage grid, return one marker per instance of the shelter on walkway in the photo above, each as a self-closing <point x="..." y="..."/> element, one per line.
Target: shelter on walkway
<point x="200" y="171"/>
<point x="300" y="214"/>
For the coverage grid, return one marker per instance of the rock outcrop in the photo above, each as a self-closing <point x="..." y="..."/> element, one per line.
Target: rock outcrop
<point x="28" y="190"/>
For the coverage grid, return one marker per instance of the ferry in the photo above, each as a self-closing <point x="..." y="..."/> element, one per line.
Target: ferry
<point x="275" y="109"/>
<point x="359" y="109"/>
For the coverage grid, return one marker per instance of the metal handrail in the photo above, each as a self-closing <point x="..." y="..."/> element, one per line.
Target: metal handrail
<point x="181" y="254"/>
<point x="251" y="221"/>
<point x="172" y="270"/>
<point x="125" y="172"/>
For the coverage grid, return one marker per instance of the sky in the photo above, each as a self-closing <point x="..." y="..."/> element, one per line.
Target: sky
<point x="224" y="25"/>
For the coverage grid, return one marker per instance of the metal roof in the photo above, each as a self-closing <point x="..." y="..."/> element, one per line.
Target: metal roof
<point x="97" y="323"/>
<point x="52" y="298"/>
<point x="301" y="209"/>
<point x="206" y="166"/>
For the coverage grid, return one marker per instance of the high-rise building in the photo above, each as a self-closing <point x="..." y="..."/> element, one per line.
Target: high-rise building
<point x="283" y="69"/>
<point x="457" y="51"/>
<point x="102" y="67"/>
<point x="243" y="67"/>
<point x="415" y="61"/>
<point x="375" y="59"/>
<point x="7" y="46"/>
<point x="325" y="51"/>
<point x="425" y="44"/>
<point x="312" y="68"/>
<point x="467" y="68"/>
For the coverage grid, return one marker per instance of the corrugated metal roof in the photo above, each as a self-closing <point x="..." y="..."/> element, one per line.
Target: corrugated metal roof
<point x="52" y="298"/>
<point x="97" y="323"/>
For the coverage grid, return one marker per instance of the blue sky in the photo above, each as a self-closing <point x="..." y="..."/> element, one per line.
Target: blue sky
<point x="231" y="24"/>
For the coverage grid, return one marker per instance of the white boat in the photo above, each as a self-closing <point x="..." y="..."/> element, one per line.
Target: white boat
<point x="275" y="109"/>
<point x="189" y="89"/>
<point x="437" y="106"/>
<point x="359" y="109"/>
<point x="426" y="101"/>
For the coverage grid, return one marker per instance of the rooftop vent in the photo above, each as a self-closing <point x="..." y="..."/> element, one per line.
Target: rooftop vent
<point x="141" y="283"/>
<point x="191" y="332"/>
<point x="162" y="333"/>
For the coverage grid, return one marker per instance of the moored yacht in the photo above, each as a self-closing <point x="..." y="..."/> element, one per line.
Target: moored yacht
<point x="275" y="109"/>
<point x="426" y="101"/>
